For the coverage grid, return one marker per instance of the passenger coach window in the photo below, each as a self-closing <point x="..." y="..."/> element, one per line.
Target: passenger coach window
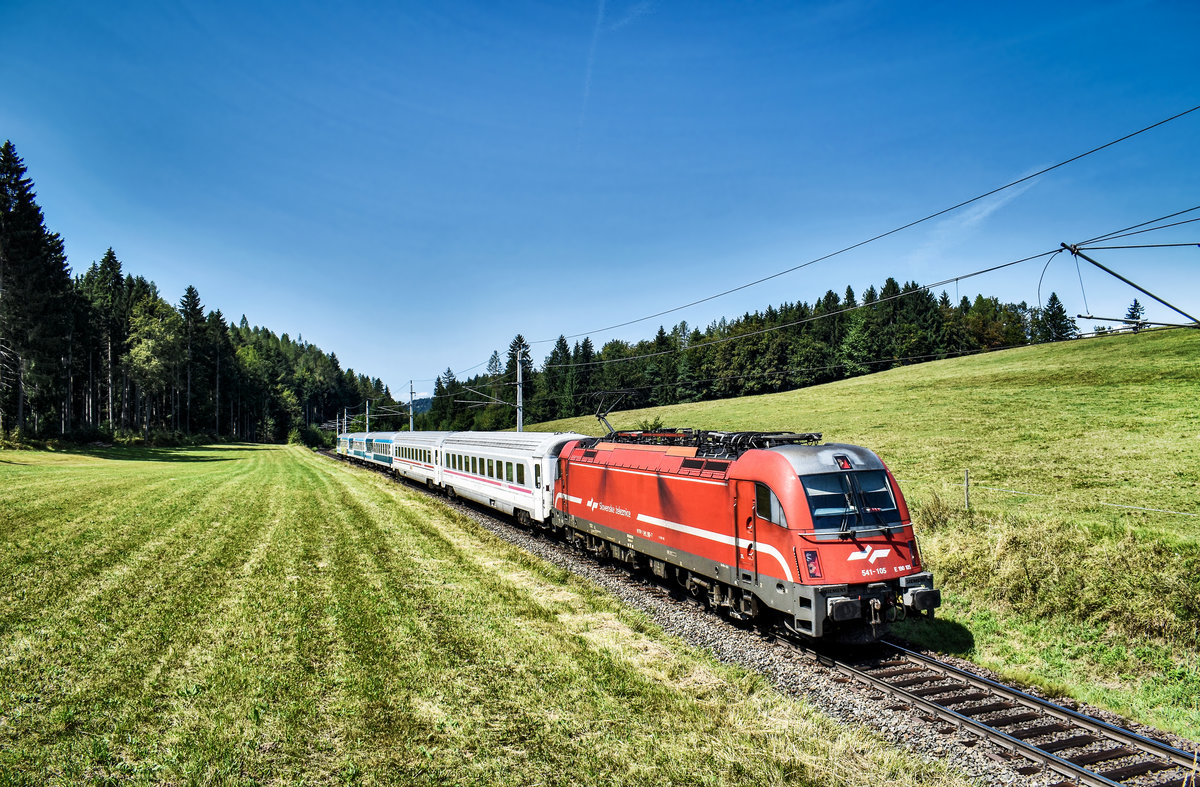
<point x="521" y="474"/>
<point x="508" y="471"/>
<point x="767" y="505"/>
<point x="491" y="471"/>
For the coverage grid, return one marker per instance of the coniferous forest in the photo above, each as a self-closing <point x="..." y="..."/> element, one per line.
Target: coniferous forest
<point x="784" y="347"/>
<point x="793" y="345"/>
<point x="103" y="354"/>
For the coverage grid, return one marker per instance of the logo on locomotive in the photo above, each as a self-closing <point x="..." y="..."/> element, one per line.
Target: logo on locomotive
<point x="596" y="504"/>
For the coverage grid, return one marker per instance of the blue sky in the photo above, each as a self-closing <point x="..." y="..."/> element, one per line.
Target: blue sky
<point x="482" y="169"/>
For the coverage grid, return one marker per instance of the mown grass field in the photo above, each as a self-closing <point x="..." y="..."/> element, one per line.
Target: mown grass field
<point x="1100" y="602"/>
<point x="252" y="614"/>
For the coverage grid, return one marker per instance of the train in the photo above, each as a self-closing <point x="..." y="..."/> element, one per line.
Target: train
<point x="773" y="528"/>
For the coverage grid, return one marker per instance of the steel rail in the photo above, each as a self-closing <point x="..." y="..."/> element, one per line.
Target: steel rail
<point x="1176" y="756"/>
<point x="1027" y="750"/>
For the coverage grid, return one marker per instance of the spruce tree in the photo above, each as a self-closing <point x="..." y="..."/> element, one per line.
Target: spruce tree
<point x="110" y="299"/>
<point x="1135" y="312"/>
<point x="34" y="307"/>
<point x="193" y="325"/>
<point x="1056" y="325"/>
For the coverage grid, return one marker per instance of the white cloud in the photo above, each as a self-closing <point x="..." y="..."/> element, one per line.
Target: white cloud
<point x="960" y="226"/>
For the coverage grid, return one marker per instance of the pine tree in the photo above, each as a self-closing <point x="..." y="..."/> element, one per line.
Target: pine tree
<point x="109" y="300"/>
<point x="193" y="323"/>
<point x="217" y="339"/>
<point x="1056" y="326"/>
<point x="34" y="308"/>
<point x="1135" y="312"/>
<point x="583" y="357"/>
<point x="560" y="386"/>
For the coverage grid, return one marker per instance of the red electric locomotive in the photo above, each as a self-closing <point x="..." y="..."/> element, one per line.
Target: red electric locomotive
<point x="757" y="524"/>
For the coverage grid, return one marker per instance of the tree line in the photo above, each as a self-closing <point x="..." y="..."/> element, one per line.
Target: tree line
<point x="780" y="348"/>
<point x="102" y="354"/>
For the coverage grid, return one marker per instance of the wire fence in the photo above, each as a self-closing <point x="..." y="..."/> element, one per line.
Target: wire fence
<point x="968" y="485"/>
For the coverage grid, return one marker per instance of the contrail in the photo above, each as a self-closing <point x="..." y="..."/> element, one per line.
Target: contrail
<point x="591" y="60"/>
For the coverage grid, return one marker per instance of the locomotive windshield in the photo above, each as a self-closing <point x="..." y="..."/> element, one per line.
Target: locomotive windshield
<point x="847" y="502"/>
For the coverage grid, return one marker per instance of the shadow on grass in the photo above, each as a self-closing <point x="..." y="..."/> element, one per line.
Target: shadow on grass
<point x="944" y="636"/>
<point x="150" y="454"/>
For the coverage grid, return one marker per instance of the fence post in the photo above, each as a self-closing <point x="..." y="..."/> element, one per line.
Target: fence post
<point x="967" y="487"/>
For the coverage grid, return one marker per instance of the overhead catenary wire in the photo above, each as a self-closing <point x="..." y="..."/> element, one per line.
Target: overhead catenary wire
<point x="1135" y="229"/>
<point x="925" y="288"/>
<point x="1127" y="230"/>
<point x="1076" y="252"/>
<point x="1142" y="246"/>
<point x="783" y="372"/>
<point x="825" y="315"/>
<point x="882" y="235"/>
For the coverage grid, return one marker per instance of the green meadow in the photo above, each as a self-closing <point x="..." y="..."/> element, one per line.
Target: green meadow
<point x="252" y="614"/>
<point x="1056" y="586"/>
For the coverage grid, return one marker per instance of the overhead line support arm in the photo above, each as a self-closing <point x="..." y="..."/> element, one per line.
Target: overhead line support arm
<point x="1075" y="251"/>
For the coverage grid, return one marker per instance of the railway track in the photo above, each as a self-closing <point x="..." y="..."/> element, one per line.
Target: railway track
<point x="1078" y="748"/>
<point x="1069" y="746"/>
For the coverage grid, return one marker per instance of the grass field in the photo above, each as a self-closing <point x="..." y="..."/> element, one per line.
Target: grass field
<point x="1054" y="587"/>
<point x="252" y="614"/>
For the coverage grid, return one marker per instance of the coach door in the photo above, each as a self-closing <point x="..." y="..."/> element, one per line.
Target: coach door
<point x="745" y="532"/>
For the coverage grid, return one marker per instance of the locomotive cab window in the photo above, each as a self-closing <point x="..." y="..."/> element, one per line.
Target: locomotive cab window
<point x="767" y="505"/>
<point x="842" y="502"/>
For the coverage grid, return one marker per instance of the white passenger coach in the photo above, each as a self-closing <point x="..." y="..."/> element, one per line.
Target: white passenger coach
<point x="512" y="472"/>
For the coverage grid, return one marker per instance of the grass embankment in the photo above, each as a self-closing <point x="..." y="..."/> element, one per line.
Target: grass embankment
<point x="1053" y="587"/>
<point x="250" y="614"/>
